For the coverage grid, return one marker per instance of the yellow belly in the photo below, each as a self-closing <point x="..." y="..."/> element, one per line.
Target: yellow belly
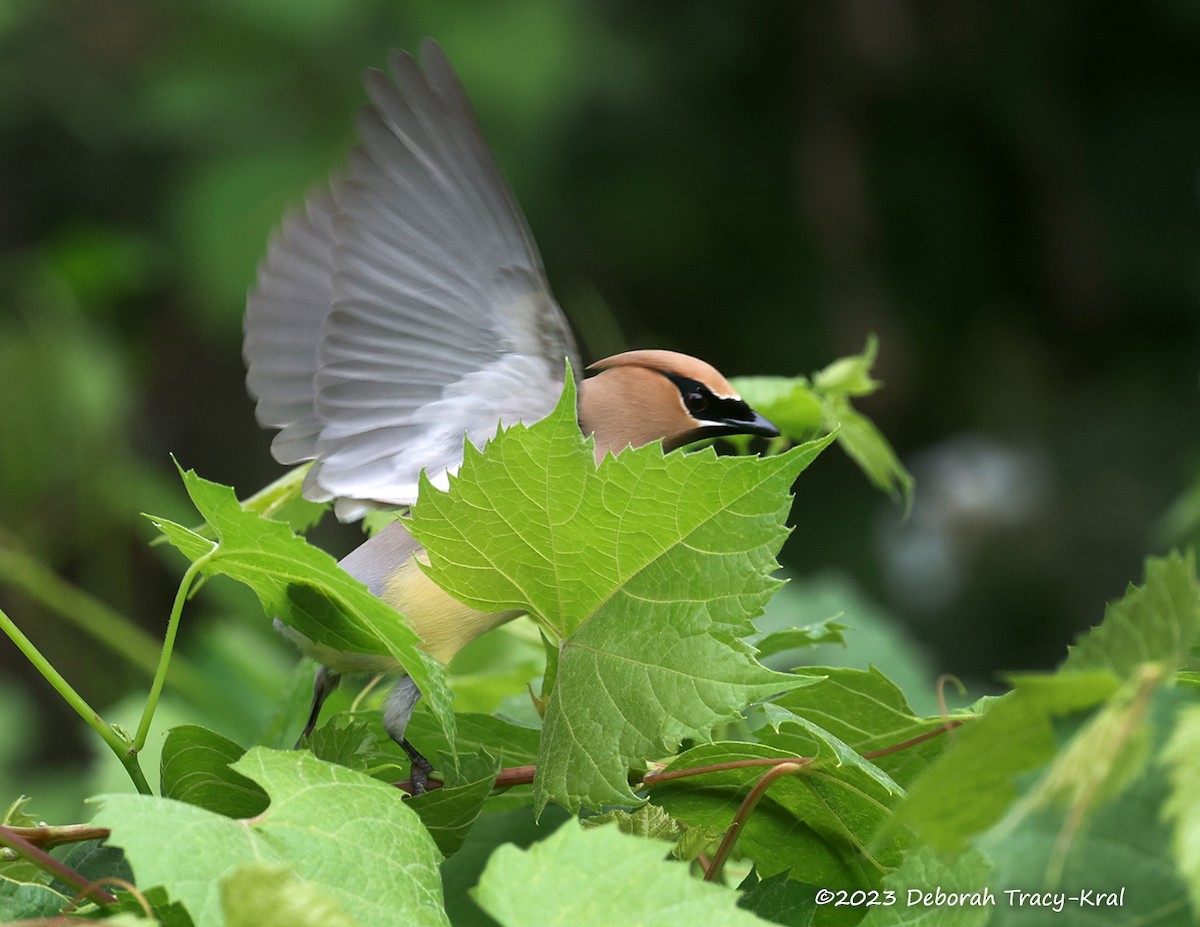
<point x="444" y="624"/>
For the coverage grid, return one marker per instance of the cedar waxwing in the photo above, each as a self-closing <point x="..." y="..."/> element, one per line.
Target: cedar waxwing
<point x="406" y="307"/>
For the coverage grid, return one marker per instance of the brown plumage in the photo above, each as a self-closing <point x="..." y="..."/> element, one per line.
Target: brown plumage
<point x="641" y="396"/>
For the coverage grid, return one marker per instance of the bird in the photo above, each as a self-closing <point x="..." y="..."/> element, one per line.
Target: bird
<point x="404" y="309"/>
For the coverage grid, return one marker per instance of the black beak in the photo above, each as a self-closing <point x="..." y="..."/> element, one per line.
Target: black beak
<point x="756" y="426"/>
<point x="738" y="421"/>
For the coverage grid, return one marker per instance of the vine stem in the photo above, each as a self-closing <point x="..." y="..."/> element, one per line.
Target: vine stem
<point x="658" y="777"/>
<point x="524" y="775"/>
<point x="743" y="813"/>
<point x="125" y="752"/>
<point x="49" y="836"/>
<point x="510" y="776"/>
<point x="168" y="646"/>
<point x="779" y="767"/>
<point x="949" y="725"/>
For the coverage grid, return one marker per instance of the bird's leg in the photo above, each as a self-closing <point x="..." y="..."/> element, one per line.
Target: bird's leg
<point x="324" y="684"/>
<point x="397" y="711"/>
<point x="419" y="772"/>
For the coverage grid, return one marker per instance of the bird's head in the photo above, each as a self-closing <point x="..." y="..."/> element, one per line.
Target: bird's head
<point x="640" y="396"/>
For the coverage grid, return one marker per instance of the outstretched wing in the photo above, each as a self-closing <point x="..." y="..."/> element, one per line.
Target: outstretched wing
<point x="407" y="306"/>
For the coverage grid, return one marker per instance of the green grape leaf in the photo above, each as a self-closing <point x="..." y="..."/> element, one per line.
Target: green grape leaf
<point x="1183" y="803"/>
<point x="353" y="838"/>
<point x="1144" y="637"/>
<point x="303" y="587"/>
<point x="511" y="744"/>
<point x="866" y="445"/>
<point x="1102" y="757"/>
<point x="868" y="712"/>
<point x="195" y="768"/>
<point x="850" y="375"/>
<point x="646" y="568"/>
<point x="449" y="812"/>
<point x="801" y="407"/>
<point x="828" y="747"/>
<point x="21" y="900"/>
<point x="1119" y="858"/>
<point x="973" y="783"/>
<point x="283" y="500"/>
<point x="94" y="860"/>
<point x="648" y="821"/>
<point x="259" y="895"/>
<point x="600" y="876"/>
<point x="821" y="821"/>
<point x="354" y="743"/>
<point x="782" y="900"/>
<point x="812" y="635"/>
<point x="1157" y="622"/>
<point x="789" y="403"/>
<point x="923" y="885"/>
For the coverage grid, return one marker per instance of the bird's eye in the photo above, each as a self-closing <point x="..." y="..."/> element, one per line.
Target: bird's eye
<point x="696" y="401"/>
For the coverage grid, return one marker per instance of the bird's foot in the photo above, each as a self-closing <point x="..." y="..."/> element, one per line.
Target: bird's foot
<point x="420" y="771"/>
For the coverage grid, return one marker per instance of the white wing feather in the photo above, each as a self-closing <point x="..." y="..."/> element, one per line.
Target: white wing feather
<point x="407" y="308"/>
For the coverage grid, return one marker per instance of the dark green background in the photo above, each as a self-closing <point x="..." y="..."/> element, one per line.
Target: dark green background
<point x="1005" y="193"/>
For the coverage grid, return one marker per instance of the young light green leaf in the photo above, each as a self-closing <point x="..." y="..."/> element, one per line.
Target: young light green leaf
<point x="17" y="815"/>
<point x="600" y="876"/>
<point x="1157" y="622"/>
<point x="788" y="402"/>
<point x="648" y="821"/>
<point x="811" y="635"/>
<point x="262" y="895"/>
<point x="330" y="826"/>
<point x="21" y="870"/>
<point x="801" y="408"/>
<point x="866" y="445"/>
<point x="195" y="768"/>
<point x="283" y="500"/>
<point x="1182" y="809"/>
<point x="303" y="587"/>
<point x="851" y="375"/>
<point x="647" y="569"/>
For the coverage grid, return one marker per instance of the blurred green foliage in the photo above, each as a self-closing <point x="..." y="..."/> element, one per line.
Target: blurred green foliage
<point x="1006" y="193"/>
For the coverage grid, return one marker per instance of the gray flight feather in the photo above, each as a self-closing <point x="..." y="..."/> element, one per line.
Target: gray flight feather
<point x="407" y="306"/>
